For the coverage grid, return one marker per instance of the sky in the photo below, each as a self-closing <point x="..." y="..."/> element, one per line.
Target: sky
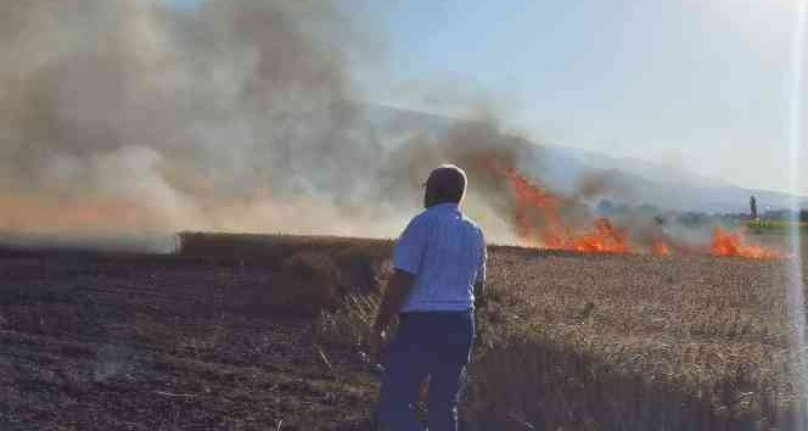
<point x="702" y="85"/>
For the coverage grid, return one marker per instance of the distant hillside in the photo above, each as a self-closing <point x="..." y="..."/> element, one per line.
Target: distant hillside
<point x="575" y="171"/>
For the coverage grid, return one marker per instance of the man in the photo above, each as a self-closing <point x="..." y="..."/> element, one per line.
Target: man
<point x="439" y="264"/>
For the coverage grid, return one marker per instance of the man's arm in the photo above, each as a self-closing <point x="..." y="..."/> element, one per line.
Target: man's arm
<point x="397" y="291"/>
<point x="407" y="255"/>
<point x="479" y="294"/>
<point x="394" y="296"/>
<point x="479" y="282"/>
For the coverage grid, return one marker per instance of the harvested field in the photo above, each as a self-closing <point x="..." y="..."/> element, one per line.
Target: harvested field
<point x="225" y="340"/>
<point x="91" y="341"/>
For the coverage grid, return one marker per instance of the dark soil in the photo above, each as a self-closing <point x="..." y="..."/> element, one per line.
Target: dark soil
<point x="96" y="341"/>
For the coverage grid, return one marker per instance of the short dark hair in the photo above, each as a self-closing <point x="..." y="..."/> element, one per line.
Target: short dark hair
<point x="447" y="183"/>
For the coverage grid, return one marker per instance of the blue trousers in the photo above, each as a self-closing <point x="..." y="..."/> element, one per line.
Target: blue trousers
<point x="434" y="344"/>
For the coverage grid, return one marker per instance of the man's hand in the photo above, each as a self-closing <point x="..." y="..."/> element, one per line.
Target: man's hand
<point x="377" y="343"/>
<point x="395" y="294"/>
<point x="480" y="295"/>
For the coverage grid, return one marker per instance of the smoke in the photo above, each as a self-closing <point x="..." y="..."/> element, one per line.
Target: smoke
<point x="130" y="118"/>
<point x="128" y="115"/>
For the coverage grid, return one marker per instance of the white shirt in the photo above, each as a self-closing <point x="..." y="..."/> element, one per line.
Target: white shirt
<point x="445" y="251"/>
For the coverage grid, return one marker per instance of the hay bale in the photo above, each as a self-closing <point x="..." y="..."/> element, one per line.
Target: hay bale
<point x="305" y="283"/>
<point x="309" y="282"/>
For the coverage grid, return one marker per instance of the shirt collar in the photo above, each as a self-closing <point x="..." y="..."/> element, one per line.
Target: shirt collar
<point x="446" y="206"/>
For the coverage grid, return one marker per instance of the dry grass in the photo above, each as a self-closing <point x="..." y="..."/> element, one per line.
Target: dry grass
<point x="349" y="324"/>
<point x="224" y="340"/>
<point x="625" y="343"/>
<point x="632" y="342"/>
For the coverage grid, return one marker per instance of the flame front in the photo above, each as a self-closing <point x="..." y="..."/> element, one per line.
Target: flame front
<point x="732" y="244"/>
<point x="538" y="222"/>
<point x="553" y="233"/>
<point x="660" y="248"/>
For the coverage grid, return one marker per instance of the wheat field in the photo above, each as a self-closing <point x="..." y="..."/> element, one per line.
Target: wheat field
<point x="627" y="342"/>
<point x="254" y="332"/>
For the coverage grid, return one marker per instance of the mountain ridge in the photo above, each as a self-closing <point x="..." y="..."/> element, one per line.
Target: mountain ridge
<point x="623" y="179"/>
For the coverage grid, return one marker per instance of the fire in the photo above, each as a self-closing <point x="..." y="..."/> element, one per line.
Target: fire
<point x="43" y="215"/>
<point x="538" y="222"/>
<point x="604" y="238"/>
<point x="660" y="248"/>
<point x="528" y="197"/>
<point x="731" y="244"/>
<point x="553" y="233"/>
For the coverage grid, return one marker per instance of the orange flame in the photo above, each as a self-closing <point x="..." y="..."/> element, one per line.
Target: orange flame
<point x="605" y="238"/>
<point x="529" y="196"/>
<point x="43" y="215"/>
<point x="660" y="248"/>
<point x="731" y="244"/>
<point x="553" y="233"/>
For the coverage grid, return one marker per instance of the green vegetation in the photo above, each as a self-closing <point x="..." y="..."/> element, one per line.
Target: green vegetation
<point x="765" y="226"/>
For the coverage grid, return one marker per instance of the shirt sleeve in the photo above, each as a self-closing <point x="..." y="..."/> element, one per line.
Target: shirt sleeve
<point x="409" y="249"/>
<point x="481" y="270"/>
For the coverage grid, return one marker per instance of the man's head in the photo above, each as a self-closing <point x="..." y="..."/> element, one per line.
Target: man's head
<point x="446" y="183"/>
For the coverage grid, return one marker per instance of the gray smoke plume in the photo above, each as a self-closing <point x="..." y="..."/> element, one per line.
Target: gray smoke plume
<point x="128" y="115"/>
<point x="130" y="118"/>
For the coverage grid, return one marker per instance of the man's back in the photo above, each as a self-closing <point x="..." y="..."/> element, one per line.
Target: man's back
<point x="445" y="251"/>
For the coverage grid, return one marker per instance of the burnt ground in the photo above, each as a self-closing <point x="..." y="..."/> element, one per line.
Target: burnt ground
<point x="224" y="336"/>
<point x="93" y="341"/>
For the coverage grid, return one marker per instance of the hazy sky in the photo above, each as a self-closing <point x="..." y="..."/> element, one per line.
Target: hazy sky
<point x="704" y="84"/>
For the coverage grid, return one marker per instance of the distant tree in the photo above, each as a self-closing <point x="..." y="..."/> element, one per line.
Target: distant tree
<point x="605" y="207"/>
<point x="692" y="218"/>
<point x="753" y="208"/>
<point x="648" y="209"/>
<point x="622" y="209"/>
<point x="782" y="214"/>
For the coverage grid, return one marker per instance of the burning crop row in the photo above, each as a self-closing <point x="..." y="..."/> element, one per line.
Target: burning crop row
<point x="539" y="222"/>
<point x="732" y="244"/>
